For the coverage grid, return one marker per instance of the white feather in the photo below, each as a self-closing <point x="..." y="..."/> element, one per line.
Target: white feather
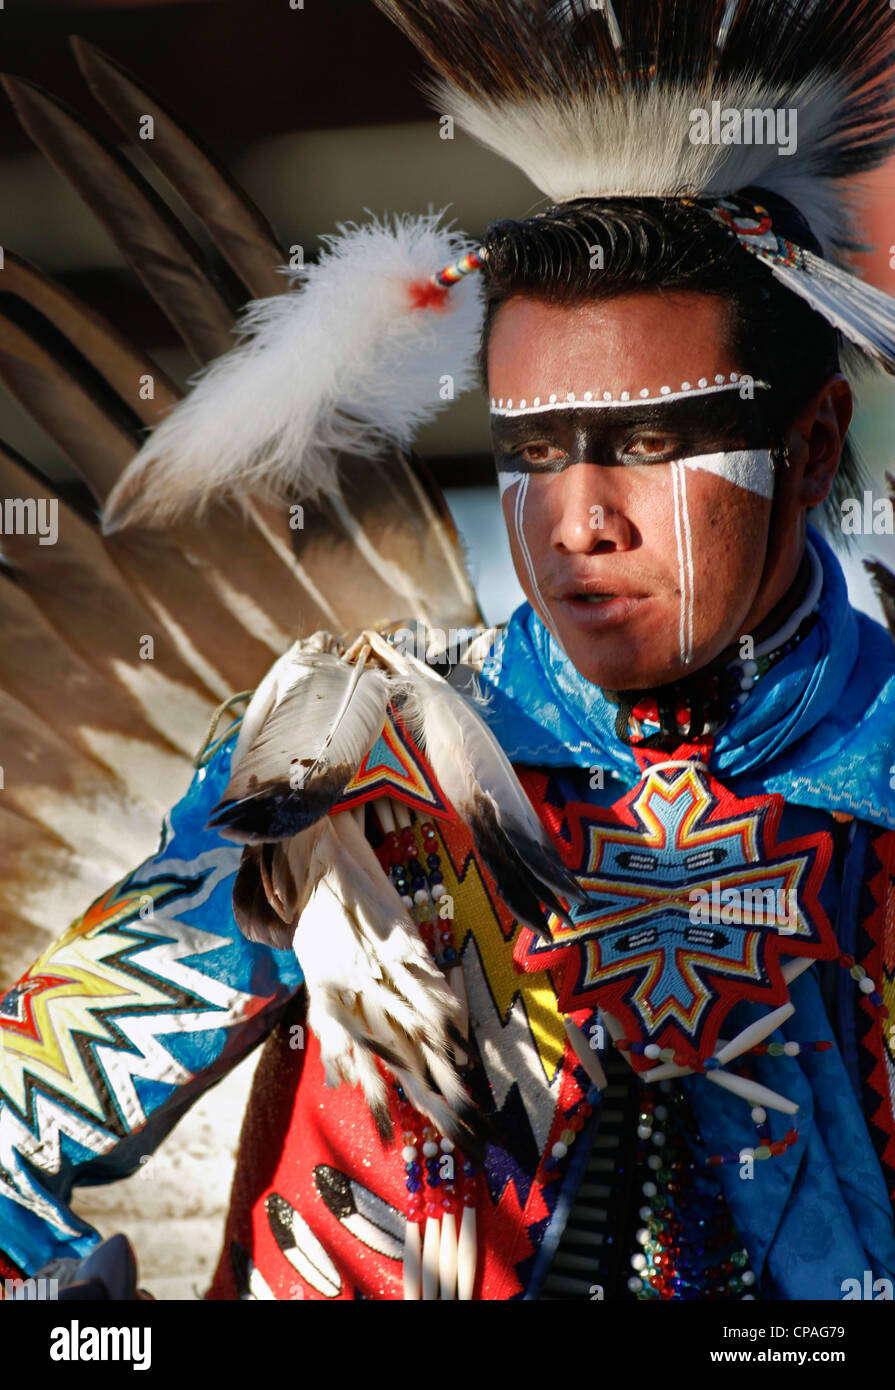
<point x="344" y="364"/>
<point x="311" y="723"/>
<point x="370" y="978"/>
<point x="281" y="676"/>
<point x="287" y="669"/>
<point x="470" y="764"/>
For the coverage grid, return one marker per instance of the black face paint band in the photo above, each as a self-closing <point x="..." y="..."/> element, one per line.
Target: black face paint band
<point x="689" y="426"/>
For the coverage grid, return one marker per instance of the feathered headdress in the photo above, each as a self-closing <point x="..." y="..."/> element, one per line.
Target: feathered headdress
<point x="598" y="99"/>
<point x="589" y="98"/>
<point x="614" y="98"/>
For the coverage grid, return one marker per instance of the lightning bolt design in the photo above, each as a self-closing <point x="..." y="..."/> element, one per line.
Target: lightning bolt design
<point x="130" y="1003"/>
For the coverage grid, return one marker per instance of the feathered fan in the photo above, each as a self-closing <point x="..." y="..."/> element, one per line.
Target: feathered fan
<point x="310" y="879"/>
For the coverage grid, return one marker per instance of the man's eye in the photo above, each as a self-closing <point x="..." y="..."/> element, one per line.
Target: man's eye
<point x="541" y="453"/>
<point x="647" y="444"/>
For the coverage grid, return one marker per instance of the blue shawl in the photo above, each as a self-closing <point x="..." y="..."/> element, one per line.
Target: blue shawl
<point x="819" y="729"/>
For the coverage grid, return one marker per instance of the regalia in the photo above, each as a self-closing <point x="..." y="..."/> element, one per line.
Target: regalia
<point x="566" y="991"/>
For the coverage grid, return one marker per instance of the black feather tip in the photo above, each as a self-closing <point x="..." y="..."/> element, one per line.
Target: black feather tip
<point x="522" y="870"/>
<point x="276" y="810"/>
<point x="254" y="915"/>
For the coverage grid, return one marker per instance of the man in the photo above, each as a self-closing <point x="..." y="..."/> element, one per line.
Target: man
<point x="597" y="544"/>
<point x="703" y="727"/>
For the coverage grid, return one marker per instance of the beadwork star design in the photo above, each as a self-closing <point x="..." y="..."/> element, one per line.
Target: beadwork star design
<point x="668" y="941"/>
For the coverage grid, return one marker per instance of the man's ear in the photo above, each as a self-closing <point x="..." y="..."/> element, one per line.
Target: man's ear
<point x="816" y="438"/>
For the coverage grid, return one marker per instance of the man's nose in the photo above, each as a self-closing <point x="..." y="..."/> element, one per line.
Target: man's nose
<point x="591" y="517"/>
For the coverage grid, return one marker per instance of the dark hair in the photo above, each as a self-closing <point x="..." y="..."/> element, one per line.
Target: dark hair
<point x="664" y="244"/>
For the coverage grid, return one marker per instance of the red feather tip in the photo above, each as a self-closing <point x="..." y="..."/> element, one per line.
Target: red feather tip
<point x="424" y="295"/>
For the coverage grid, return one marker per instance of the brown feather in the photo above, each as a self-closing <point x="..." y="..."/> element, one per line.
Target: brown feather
<point x="884" y="584"/>
<point x="64" y="404"/>
<point x="238" y="228"/>
<point x="37" y="665"/>
<point x="167" y="260"/>
<point x="116" y="359"/>
<point x="80" y="592"/>
<point x="255" y="917"/>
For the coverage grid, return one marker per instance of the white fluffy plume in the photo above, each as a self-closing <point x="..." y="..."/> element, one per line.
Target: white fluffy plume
<point x="344" y="363"/>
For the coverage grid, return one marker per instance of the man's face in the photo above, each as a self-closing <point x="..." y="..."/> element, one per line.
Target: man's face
<point x="639" y="526"/>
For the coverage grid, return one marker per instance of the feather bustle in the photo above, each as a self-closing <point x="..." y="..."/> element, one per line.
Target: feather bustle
<point x="319" y="717"/>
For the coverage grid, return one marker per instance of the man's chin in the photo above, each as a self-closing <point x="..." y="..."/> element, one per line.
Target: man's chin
<point x="619" y="664"/>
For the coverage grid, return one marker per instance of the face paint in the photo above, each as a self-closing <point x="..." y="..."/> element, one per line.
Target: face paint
<point x="632" y="433"/>
<point x="602" y="400"/>
<point x="517" y="524"/>
<point x="752" y="469"/>
<point x="684" y="560"/>
<point x="715" y="429"/>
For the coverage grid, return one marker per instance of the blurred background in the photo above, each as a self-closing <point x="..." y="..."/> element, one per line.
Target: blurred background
<point x="315" y="106"/>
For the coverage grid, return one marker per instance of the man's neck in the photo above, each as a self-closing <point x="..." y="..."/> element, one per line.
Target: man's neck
<point x="699" y="704"/>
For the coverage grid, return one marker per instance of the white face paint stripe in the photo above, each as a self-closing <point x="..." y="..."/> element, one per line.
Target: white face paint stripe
<point x="508" y="480"/>
<point x="505" y="480"/>
<point x="681" y="572"/>
<point x="526" y="553"/>
<point x="598" y="401"/>
<point x="752" y="469"/>
<point x="688" y="551"/>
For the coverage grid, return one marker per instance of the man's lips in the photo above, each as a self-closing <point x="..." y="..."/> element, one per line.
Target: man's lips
<point x="598" y="604"/>
<point x="596" y="588"/>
